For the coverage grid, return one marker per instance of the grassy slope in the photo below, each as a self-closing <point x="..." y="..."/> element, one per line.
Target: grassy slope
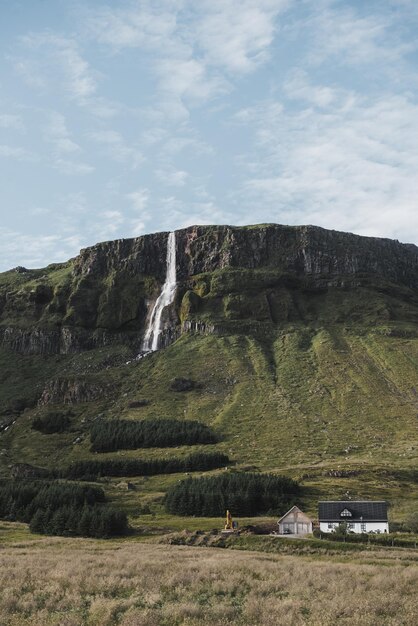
<point x="302" y="381"/>
<point x="302" y="400"/>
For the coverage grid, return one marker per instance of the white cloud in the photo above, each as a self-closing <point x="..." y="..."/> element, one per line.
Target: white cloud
<point x="60" y="59"/>
<point x="16" y="152"/>
<point x="145" y="24"/>
<point x="30" y="71"/>
<point x="177" y="144"/>
<point x="195" y="49"/>
<point x="354" y="167"/>
<point x="39" y="211"/>
<point x="298" y="87"/>
<point x="72" y="168"/>
<point x="14" y="122"/>
<point x="200" y="213"/>
<point x="73" y="204"/>
<point x="154" y="135"/>
<point x="117" y="148"/>
<point x="188" y="80"/>
<point x="176" y="213"/>
<point x="172" y="177"/>
<point x="116" y="216"/>
<point x="103" y="108"/>
<point x="236" y="34"/>
<point x="81" y="84"/>
<point x="232" y="34"/>
<point x="31" y="250"/>
<point x="109" y="224"/>
<point x="139" y="199"/>
<point x="137" y="227"/>
<point x="59" y="136"/>
<point x="355" y="35"/>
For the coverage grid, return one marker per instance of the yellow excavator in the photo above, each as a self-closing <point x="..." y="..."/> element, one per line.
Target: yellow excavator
<point x="229" y="524"/>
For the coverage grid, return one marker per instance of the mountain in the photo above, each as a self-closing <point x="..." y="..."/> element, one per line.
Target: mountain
<point x="298" y="345"/>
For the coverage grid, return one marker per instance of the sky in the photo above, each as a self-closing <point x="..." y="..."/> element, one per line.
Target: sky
<point x="120" y="118"/>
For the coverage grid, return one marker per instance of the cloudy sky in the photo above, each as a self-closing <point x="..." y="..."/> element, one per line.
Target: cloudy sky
<point x="122" y="118"/>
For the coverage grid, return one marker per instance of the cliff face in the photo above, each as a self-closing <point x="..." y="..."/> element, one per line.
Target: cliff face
<point x="238" y="276"/>
<point x="303" y="250"/>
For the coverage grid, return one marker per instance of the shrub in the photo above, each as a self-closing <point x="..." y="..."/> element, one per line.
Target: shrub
<point x="18" y="405"/>
<point x="184" y="384"/>
<point x="52" y="422"/>
<point x="377" y="539"/>
<point x="242" y="493"/>
<point x="411" y="522"/>
<point x="137" y="404"/>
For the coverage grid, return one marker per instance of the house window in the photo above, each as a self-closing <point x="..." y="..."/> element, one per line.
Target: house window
<point x="330" y="526"/>
<point x="363" y="527"/>
<point x="350" y="526"/>
<point x="346" y="513"/>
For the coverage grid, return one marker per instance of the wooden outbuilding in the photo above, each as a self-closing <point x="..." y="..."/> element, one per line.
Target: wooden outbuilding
<point x="295" y="522"/>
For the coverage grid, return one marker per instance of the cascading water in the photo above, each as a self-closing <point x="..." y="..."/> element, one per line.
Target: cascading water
<point x="165" y="298"/>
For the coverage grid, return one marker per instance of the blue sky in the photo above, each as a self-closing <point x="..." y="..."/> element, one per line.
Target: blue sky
<point x="122" y="118"/>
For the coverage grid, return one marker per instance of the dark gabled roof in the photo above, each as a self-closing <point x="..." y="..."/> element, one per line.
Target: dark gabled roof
<point x="364" y="510"/>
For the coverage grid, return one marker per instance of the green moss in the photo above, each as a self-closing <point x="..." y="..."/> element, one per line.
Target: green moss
<point x="190" y="305"/>
<point x="230" y="280"/>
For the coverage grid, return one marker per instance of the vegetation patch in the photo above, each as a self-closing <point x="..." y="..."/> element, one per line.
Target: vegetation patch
<point x="184" y="384"/>
<point x="137" y="404"/>
<point x="91" y="470"/>
<point x="55" y="508"/>
<point x="109" y="436"/>
<point x="52" y="422"/>
<point x="18" y="405"/>
<point x="81" y="582"/>
<point x="242" y="493"/>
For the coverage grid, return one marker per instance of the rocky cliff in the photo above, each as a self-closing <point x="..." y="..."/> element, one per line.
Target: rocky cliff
<point x="302" y="250"/>
<point x="245" y="276"/>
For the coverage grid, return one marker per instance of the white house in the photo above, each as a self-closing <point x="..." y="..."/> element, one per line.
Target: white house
<point x="361" y="516"/>
<point x="295" y="522"/>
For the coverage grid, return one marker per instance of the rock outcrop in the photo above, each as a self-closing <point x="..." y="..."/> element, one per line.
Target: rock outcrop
<point x="63" y="391"/>
<point x="65" y="340"/>
<point x="241" y="275"/>
<point x="303" y="250"/>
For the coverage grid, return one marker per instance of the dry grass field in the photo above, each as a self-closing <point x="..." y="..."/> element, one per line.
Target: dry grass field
<point x="74" y="582"/>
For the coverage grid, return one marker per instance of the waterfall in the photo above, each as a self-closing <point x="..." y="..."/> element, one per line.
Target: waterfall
<point x="165" y="298"/>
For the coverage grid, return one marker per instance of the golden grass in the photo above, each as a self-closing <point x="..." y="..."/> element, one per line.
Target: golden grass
<point x="74" y="582"/>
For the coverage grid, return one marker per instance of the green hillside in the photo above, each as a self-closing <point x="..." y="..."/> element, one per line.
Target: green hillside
<point x="311" y="375"/>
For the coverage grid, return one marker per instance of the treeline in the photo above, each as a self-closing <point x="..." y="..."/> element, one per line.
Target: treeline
<point x="108" y="436"/>
<point x="90" y="521"/>
<point x="244" y="494"/>
<point x="91" y="470"/>
<point x="56" y="508"/>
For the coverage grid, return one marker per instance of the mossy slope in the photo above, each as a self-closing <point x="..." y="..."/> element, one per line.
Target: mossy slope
<point x="308" y="372"/>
